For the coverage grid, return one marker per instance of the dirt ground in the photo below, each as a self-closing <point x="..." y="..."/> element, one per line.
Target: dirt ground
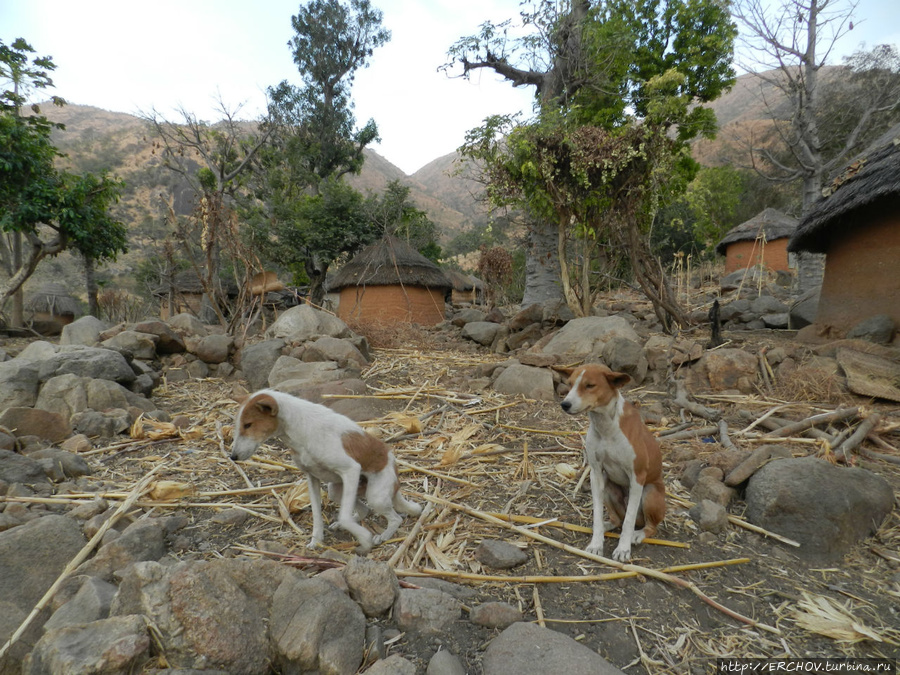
<point x="475" y="449"/>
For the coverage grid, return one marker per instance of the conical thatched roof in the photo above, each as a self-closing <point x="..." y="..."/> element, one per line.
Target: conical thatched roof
<point x="868" y="186"/>
<point x="53" y="299"/>
<point x="387" y="262"/>
<point x="773" y="222"/>
<point x="462" y="281"/>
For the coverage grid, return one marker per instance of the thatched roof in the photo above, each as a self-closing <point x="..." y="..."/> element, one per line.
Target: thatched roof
<point x="187" y="282"/>
<point x="53" y="299"/>
<point x="387" y="262"/>
<point x="867" y="187"/>
<point x="774" y="223"/>
<point x="463" y="282"/>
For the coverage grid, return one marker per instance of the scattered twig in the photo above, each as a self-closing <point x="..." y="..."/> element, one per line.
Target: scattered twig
<point x="692" y="433"/>
<point x="411" y="537"/>
<point x="538" y="608"/>
<point x="740" y="522"/>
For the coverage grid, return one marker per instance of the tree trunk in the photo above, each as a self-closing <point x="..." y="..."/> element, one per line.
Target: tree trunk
<point x="90" y="282"/>
<point x="17" y="316"/>
<point x="543" y="275"/>
<point x="316" y="271"/>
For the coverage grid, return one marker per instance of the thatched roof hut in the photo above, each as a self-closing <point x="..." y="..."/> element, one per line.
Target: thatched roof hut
<point x="467" y="288"/>
<point x="390" y="282"/>
<point x="762" y="240"/>
<point x="52" y="307"/>
<point x="185" y="294"/>
<point x="856" y="224"/>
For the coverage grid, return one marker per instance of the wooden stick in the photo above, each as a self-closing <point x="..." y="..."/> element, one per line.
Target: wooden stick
<point x="530" y="520"/>
<point x="627" y="567"/>
<point x="857" y="437"/>
<point x="723" y="436"/>
<point x="740" y="522"/>
<point x="428" y="472"/>
<point x="692" y="433"/>
<point x="822" y="418"/>
<point x="538" y="579"/>
<point x="538" y="608"/>
<point x="80" y="557"/>
<point x="413" y="533"/>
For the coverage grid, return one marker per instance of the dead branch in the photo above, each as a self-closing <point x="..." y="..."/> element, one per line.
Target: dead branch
<point x="723" y="436"/>
<point x="692" y="433"/>
<point x="682" y="400"/>
<point x="809" y="422"/>
<point x="846" y="448"/>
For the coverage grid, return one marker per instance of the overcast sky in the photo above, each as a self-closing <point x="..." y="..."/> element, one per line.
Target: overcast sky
<point x="128" y="56"/>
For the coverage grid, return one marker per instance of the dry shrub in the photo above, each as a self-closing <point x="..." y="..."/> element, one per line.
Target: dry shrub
<point x="813" y="385"/>
<point x="118" y="305"/>
<point x="391" y="335"/>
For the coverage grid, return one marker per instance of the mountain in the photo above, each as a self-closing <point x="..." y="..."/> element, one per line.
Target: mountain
<point x="95" y="139"/>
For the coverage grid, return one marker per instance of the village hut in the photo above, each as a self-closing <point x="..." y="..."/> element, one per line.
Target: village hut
<point x="390" y="282"/>
<point x="467" y="289"/>
<point x="856" y="223"/>
<point x="761" y="241"/>
<point x="184" y="293"/>
<point x="51" y="308"/>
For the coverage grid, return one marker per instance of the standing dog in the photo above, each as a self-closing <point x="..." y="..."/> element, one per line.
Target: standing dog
<point x="626" y="467"/>
<point x="330" y="448"/>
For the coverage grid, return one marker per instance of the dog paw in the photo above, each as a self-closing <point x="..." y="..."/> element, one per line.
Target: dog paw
<point x="595" y="549"/>
<point x="622" y="554"/>
<point x="334" y="526"/>
<point x="638" y="537"/>
<point x="315" y="543"/>
<point x="376" y="540"/>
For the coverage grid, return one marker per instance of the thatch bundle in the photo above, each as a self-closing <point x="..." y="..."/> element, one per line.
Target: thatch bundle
<point x="867" y="187"/>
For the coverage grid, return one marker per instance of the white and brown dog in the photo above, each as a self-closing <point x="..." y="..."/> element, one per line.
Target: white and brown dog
<point x="331" y="448"/>
<point x="626" y="467"/>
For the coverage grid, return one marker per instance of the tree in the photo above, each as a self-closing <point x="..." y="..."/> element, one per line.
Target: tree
<point x="313" y="128"/>
<point x="609" y="67"/>
<point x="791" y="41"/>
<point x="44" y="211"/>
<point x="215" y="160"/>
<point x="393" y="213"/>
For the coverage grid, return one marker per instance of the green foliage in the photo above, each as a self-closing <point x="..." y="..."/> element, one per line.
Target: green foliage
<point x="36" y="197"/>
<point x="393" y="213"/>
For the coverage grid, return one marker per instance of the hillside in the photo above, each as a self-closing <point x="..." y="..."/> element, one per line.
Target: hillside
<point x="95" y="139"/>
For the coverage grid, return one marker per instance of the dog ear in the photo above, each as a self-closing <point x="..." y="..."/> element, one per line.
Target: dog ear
<point x="618" y="380"/>
<point x="267" y="405"/>
<point x="564" y="370"/>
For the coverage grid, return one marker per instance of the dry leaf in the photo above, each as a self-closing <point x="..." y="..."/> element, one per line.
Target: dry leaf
<point x="567" y="471"/>
<point x="410" y="423"/>
<point x="440" y="560"/>
<point x="168" y="490"/>
<point x="822" y="615"/>
<point x="297" y="497"/>
<point x="451" y="455"/>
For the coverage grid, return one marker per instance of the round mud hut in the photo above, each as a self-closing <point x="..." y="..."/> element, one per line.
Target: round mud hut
<point x="762" y="241"/>
<point x="856" y="224"/>
<point x="51" y="307"/>
<point x="389" y="282"/>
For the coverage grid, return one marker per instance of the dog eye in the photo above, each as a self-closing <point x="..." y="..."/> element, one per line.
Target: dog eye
<point x="590" y="385"/>
<point x="247" y="425"/>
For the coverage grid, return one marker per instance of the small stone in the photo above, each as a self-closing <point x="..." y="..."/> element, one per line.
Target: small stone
<point x="499" y="554"/>
<point x="495" y="615"/>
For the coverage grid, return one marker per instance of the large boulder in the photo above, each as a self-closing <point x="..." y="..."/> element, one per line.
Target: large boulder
<point x="517" y="379"/>
<point x="93" y="362"/>
<point x="824" y="507"/>
<point x="303" y="322"/>
<point x="84" y="331"/>
<point x="257" y="361"/>
<point x="528" y="649"/>
<point x="589" y="335"/>
<point x="19" y="381"/>
<point x="139" y="345"/>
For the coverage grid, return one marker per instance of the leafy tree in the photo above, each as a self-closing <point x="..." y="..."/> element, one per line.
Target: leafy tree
<point x="44" y="211"/>
<point x="315" y="230"/>
<point x="612" y="83"/>
<point x="393" y="213"/>
<point x="314" y="139"/>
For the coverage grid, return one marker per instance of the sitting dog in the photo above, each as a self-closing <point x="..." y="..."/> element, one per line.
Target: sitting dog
<point x="328" y="447"/>
<point x="626" y="467"/>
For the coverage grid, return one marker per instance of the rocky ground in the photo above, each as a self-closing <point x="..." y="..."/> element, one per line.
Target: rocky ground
<point x="470" y="451"/>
